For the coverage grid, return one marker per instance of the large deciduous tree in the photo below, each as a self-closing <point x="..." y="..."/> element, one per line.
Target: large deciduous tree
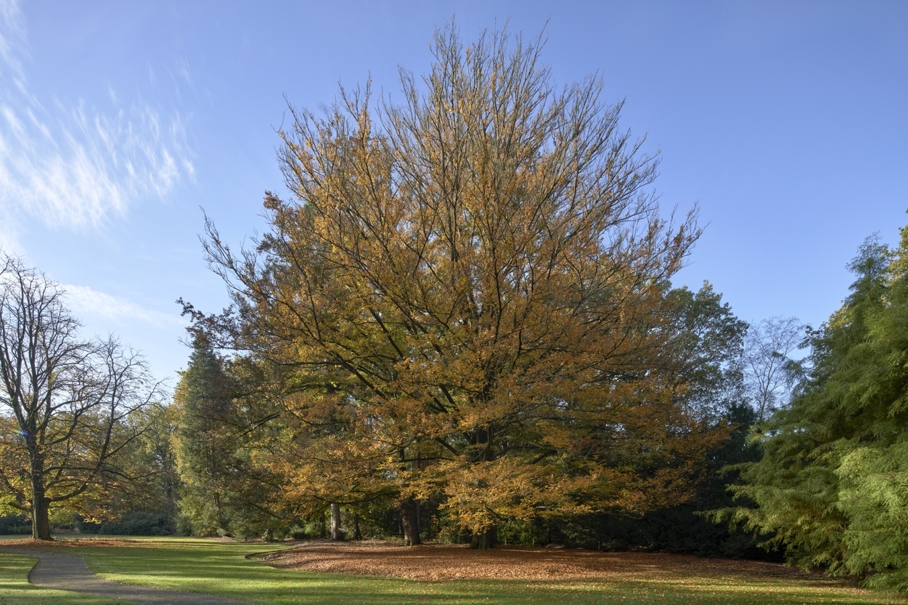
<point x="465" y="300"/>
<point x="64" y="401"/>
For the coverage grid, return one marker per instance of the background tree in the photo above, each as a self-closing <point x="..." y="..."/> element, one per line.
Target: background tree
<point x="205" y="442"/>
<point x="224" y="489"/>
<point x="146" y="504"/>
<point x="478" y="275"/>
<point x="707" y="351"/>
<point x="704" y="359"/>
<point x="771" y="371"/>
<point x="65" y="402"/>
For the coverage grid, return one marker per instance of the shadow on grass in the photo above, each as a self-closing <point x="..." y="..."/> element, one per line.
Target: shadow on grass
<point x="222" y="568"/>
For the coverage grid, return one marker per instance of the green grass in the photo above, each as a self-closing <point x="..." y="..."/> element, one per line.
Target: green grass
<point x="222" y="568"/>
<point x="15" y="589"/>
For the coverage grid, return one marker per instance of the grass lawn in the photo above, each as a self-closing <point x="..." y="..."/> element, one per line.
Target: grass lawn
<point x="222" y="568"/>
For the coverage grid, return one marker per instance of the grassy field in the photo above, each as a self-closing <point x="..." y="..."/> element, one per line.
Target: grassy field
<point x="223" y="568"/>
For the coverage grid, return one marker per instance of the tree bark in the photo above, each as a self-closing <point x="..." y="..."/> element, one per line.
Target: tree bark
<point x="40" y="502"/>
<point x="218" y="514"/>
<point x="337" y="534"/>
<point x="485" y="540"/>
<point x="408" y="517"/>
<point x="40" y="515"/>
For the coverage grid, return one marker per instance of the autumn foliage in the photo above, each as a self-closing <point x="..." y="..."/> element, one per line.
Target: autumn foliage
<point x="464" y="301"/>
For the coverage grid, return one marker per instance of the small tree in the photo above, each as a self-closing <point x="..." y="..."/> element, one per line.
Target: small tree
<point x="65" y="401"/>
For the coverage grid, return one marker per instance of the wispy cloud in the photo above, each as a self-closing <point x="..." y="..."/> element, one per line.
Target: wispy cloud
<point x="12" y="36"/>
<point x="88" y="302"/>
<point x="72" y="164"/>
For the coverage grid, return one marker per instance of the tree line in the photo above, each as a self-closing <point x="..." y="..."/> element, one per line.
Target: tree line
<point x="461" y="325"/>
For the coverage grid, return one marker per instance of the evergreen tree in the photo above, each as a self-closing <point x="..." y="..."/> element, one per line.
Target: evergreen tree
<point x="206" y="443"/>
<point x="831" y="483"/>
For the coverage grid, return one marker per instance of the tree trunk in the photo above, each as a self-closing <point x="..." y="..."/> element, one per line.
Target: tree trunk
<point x="357" y="534"/>
<point x="483" y="437"/>
<point x="40" y="503"/>
<point x="337" y="534"/>
<point x="486" y="539"/>
<point x="40" y="515"/>
<point x="218" y="514"/>
<point x="408" y="517"/>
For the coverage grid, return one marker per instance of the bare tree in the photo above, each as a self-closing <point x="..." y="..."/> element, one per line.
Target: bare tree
<point x="64" y="401"/>
<point x="770" y="370"/>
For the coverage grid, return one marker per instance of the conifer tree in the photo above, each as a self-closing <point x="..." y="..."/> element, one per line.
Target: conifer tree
<point x="206" y="445"/>
<point x="830" y="487"/>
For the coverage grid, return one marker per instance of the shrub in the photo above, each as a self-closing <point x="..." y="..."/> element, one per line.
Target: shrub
<point x="15" y="524"/>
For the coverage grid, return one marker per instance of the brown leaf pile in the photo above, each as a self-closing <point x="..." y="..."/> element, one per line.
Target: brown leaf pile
<point x="447" y="562"/>
<point x="67" y="543"/>
<point x="452" y="562"/>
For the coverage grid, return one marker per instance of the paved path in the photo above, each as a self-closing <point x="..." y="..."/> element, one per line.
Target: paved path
<point x="70" y="572"/>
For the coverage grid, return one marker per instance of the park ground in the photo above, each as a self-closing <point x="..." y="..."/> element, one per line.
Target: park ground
<point x="385" y="573"/>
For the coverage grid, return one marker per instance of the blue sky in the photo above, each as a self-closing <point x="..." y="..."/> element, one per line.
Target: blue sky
<point x="785" y="121"/>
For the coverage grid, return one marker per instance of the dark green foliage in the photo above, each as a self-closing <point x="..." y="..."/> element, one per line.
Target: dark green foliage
<point x="224" y="491"/>
<point x="682" y="528"/>
<point x="707" y="350"/>
<point x="207" y="443"/>
<point x="157" y="477"/>
<point x="131" y="524"/>
<point x="527" y="533"/>
<point x="149" y="461"/>
<point x="15" y="525"/>
<point x="706" y="358"/>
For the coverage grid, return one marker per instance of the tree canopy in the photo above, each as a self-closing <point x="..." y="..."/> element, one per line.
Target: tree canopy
<point x="465" y="299"/>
